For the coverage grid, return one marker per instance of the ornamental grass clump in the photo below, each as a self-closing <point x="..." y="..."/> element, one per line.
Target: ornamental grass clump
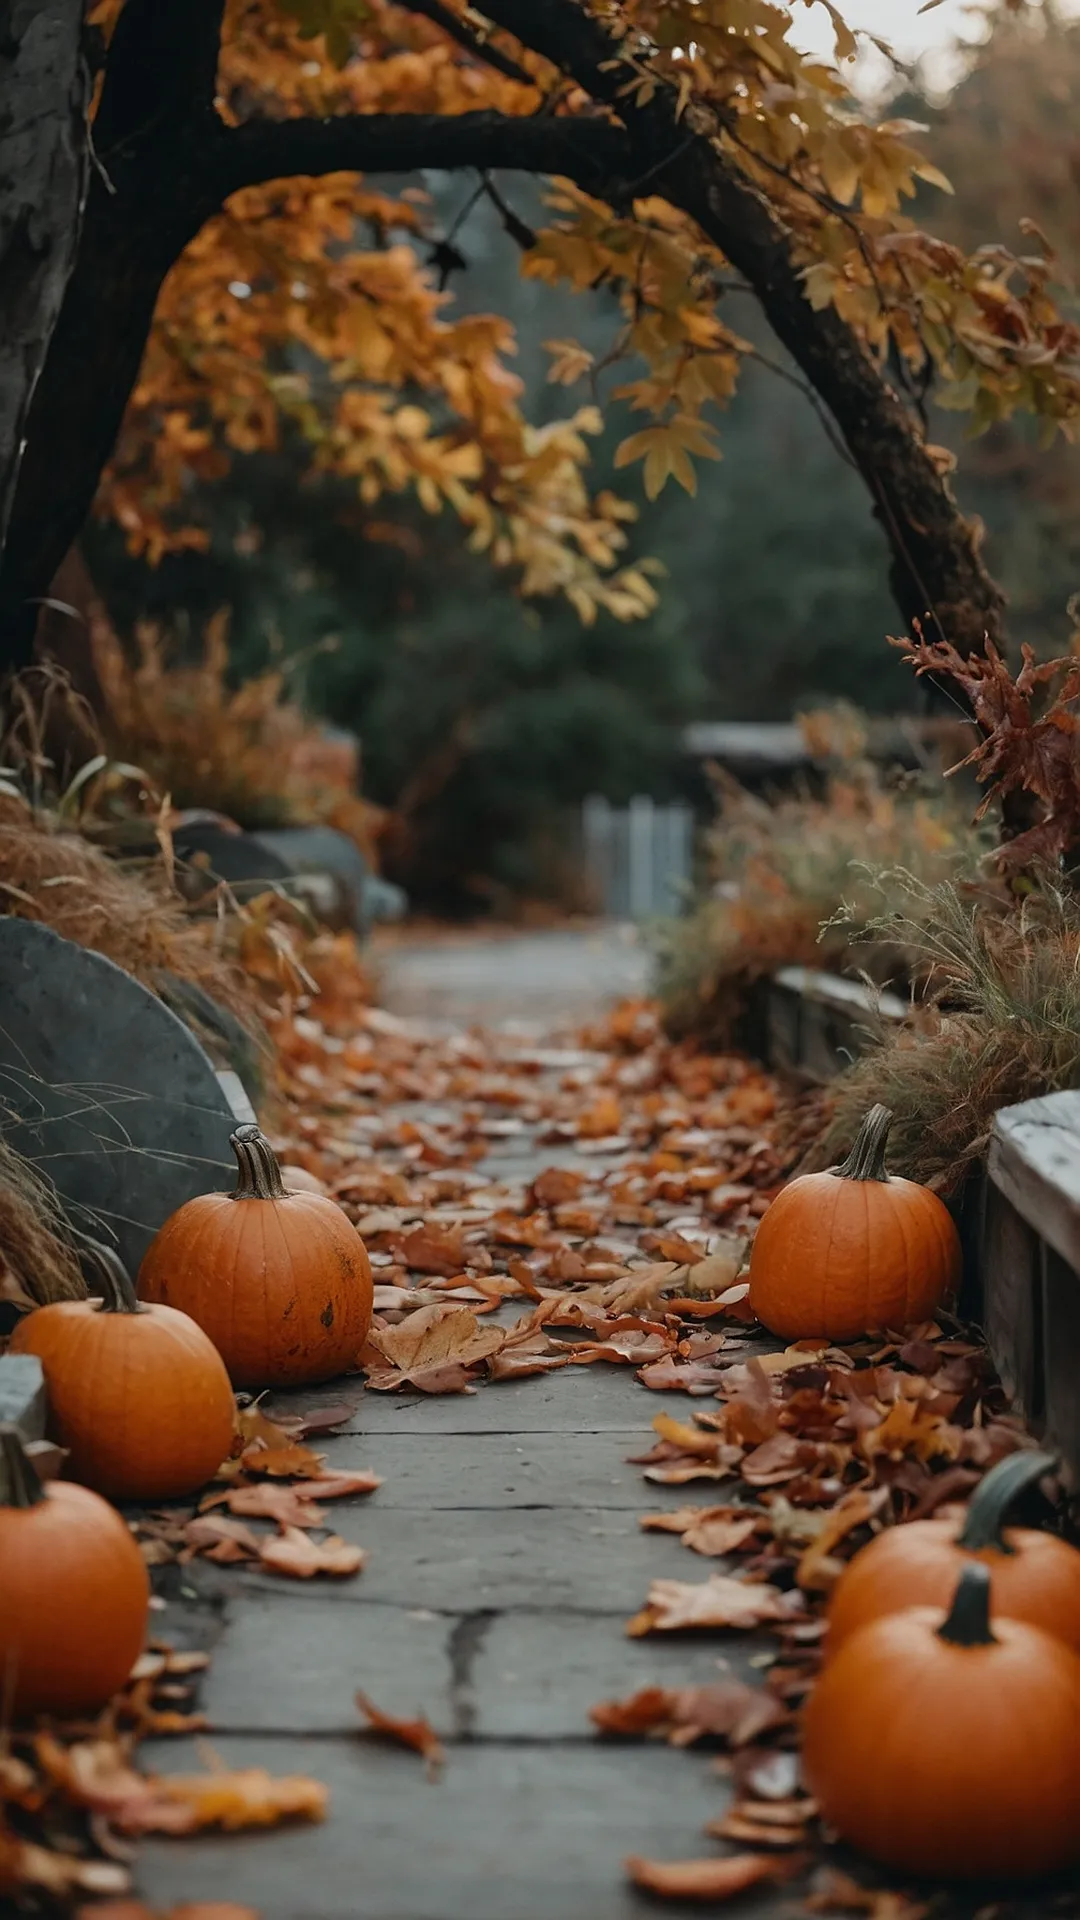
<point x="1000" y="1020"/>
<point x="781" y="868"/>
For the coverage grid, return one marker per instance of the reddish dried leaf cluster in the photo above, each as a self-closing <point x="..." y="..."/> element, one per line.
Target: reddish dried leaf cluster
<point x="1023" y="749"/>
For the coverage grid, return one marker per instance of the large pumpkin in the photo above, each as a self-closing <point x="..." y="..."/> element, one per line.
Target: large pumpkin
<point x="854" y="1250"/>
<point x="74" y="1593"/>
<point x="279" y="1281"/>
<point x="1033" y="1576"/>
<point x="945" y="1746"/>
<point x="137" y="1394"/>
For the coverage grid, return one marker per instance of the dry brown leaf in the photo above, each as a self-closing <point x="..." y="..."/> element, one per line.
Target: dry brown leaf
<point x="288" y="1462"/>
<point x="435" y="1338"/>
<point x="708" y="1530"/>
<point x="434" y="1249"/>
<point x="702" y="1879"/>
<point x="340" y="1486"/>
<point x="719" y="1601"/>
<point x="216" y="1538"/>
<point x="726" y="1709"/>
<point x="266" y="1501"/>
<point x="816" y="1571"/>
<point x="417" y="1734"/>
<point x="836" y="1892"/>
<point x="250" y="1797"/>
<point x="908" y="1429"/>
<point x="296" y="1554"/>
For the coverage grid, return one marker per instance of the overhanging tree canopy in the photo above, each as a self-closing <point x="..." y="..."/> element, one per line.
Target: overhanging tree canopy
<point x="691" y="144"/>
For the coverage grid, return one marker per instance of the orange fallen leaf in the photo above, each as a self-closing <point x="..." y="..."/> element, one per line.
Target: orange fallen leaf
<point x="815" y="1570"/>
<point x="417" y="1734"/>
<point x="296" y="1554"/>
<point x="707" y="1530"/>
<point x="726" y="1709"/>
<point x="216" y="1538"/>
<point x="267" y="1501"/>
<point x="702" y="1879"/>
<point x="433" y="1249"/>
<point x="340" y="1486"/>
<point x="600" y="1119"/>
<point x="428" y="1343"/>
<point x="250" y="1797"/>
<point x="720" y="1601"/>
<point x="283" y="1463"/>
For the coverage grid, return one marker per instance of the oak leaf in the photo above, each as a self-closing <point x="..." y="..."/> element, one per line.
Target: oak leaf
<point x="719" y="1601"/>
<point x="294" y="1553"/>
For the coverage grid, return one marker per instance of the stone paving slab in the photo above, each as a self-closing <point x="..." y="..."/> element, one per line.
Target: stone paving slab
<point x="588" y="1560"/>
<point x="527" y="1675"/>
<point x="508" y="1833"/>
<point x="592" y="1399"/>
<point x="510" y="1470"/>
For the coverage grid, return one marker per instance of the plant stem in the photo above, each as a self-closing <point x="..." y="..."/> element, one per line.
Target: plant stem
<point x="866" y="1161"/>
<point x="259" y="1177"/>
<point x="968" y="1622"/>
<point x="994" y="1496"/>
<point x="19" y="1484"/>
<point x="111" y="1278"/>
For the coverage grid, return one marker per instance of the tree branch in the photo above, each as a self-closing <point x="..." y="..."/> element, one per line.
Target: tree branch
<point x="441" y="16"/>
<point x="937" y="571"/>
<point x="593" y="152"/>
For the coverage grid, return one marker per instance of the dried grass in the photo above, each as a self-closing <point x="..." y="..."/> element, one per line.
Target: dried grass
<point x="780" y="871"/>
<point x="38" y="1263"/>
<point x="53" y="875"/>
<point x="245" y="751"/>
<point x="1002" y="1024"/>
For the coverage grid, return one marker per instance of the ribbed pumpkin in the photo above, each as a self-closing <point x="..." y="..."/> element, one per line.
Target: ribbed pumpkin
<point x="74" y="1593"/>
<point x="279" y="1281"/>
<point x="1033" y="1576"/>
<point x="945" y="1746"/>
<point x="137" y="1394"/>
<point x="854" y="1250"/>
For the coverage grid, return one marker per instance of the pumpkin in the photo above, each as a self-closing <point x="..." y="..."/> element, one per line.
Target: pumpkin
<point x="137" y="1394"/>
<point x="279" y="1281"/>
<point x="74" y="1593"/>
<point x="851" y="1251"/>
<point x="945" y="1747"/>
<point x="1033" y="1576"/>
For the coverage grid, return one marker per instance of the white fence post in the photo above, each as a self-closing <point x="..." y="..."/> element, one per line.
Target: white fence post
<point x="638" y="858"/>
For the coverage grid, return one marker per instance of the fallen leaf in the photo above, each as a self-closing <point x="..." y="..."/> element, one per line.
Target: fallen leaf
<point x="416" y="1734"/>
<point x="719" y="1601"/>
<point x="702" y="1879"/>
<point x="433" y="1249"/>
<point x="295" y="1553"/>
<point x="432" y="1340"/>
<point x="251" y="1797"/>
<point x="815" y="1570"/>
<point x="265" y="1501"/>
<point x="726" y="1709"/>
<point x="340" y="1486"/>
<point x="836" y="1892"/>
<point x="216" y="1538"/>
<point x="283" y="1463"/>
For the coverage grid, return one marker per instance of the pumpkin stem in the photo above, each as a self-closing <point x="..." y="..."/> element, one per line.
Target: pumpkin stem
<point x="994" y="1496"/>
<point x="866" y="1161"/>
<point x="968" y="1622"/>
<point x="111" y="1279"/>
<point x="19" y="1484"/>
<point x="260" y="1176"/>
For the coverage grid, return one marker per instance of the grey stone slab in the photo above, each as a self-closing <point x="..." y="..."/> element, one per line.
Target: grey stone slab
<point x="535" y="1675"/>
<point x="507" y="1833"/>
<point x="505" y="1470"/>
<point x="291" y="1663"/>
<point x="468" y="1561"/>
<point x="22" y="1394"/>
<point x="105" y="1089"/>
<point x="573" y="1399"/>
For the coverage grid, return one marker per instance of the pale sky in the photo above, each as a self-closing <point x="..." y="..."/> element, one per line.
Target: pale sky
<point x="932" y="36"/>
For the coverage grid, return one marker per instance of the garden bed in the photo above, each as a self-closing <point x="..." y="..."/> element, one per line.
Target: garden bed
<point x="1019" y="1214"/>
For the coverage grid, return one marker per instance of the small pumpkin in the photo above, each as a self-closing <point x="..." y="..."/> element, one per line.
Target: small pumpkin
<point x="74" y="1593"/>
<point x="137" y="1394"/>
<point x="280" y="1281"/>
<point x="851" y="1251"/>
<point x="1034" y="1576"/>
<point x="945" y="1747"/>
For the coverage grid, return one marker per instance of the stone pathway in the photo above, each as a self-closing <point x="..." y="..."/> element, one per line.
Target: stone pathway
<point x="492" y="979"/>
<point x="504" y="1559"/>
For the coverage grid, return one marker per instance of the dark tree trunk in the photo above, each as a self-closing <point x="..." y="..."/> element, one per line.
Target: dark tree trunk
<point x="44" y="159"/>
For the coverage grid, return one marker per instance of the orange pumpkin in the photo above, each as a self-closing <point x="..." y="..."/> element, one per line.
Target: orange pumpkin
<point x="74" y="1593"/>
<point x="945" y="1747"/>
<point x="138" y="1395"/>
<point x="854" y="1250"/>
<point x="1033" y="1576"/>
<point x="279" y="1281"/>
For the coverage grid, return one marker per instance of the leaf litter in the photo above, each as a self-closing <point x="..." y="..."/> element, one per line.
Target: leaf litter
<point x="635" y="1259"/>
